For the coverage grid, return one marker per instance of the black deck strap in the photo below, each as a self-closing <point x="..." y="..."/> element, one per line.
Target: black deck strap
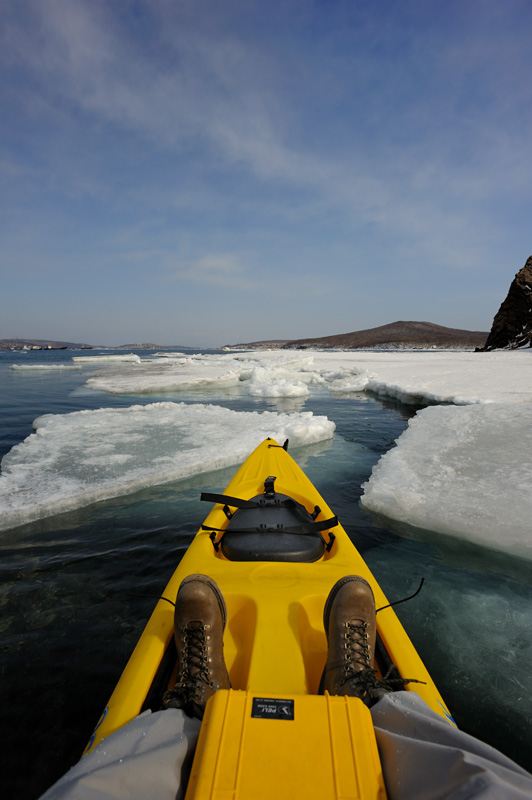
<point x="215" y="531"/>
<point x="303" y="529"/>
<point x="323" y="525"/>
<point x="239" y="502"/>
<point x="235" y="502"/>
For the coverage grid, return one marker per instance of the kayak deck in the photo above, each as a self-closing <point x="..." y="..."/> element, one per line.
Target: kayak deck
<point x="274" y="643"/>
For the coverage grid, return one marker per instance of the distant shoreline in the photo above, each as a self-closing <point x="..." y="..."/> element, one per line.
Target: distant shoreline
<point x="394" y="336"/>
<point x="27" y="345"/>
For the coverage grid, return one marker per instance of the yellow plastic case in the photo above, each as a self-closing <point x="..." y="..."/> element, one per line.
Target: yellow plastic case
<point x="286" y="746"/>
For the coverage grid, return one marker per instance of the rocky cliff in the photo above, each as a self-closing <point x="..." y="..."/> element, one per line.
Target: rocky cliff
<point x="512" y="326"/>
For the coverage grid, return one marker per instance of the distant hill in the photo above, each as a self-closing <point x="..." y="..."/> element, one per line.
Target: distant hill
<point x="265" y="344"/>
<point x="151" y="346"/>
<point x="395" y="335"/>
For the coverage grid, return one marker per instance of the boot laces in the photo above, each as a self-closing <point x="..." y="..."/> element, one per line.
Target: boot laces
<point x="357" y="656"/>
<point x="356" y="644"/>
<point x="193" y="674"/>
<point x="358" y="669"/>
<point x="194" y="666"/>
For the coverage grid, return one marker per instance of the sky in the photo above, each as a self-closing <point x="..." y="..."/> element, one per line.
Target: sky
<point x="203" y="173"/>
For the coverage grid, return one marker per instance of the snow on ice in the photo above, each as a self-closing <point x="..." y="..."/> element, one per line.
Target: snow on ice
<point x="461" y="468"/>
<point x="75" y="459"/>
<point x="108" y="359"/>
<point x="461" y="471"/>
<point x="165" y="375"/>
<point x="460" y="378"/>
<point x="463" y="465"/>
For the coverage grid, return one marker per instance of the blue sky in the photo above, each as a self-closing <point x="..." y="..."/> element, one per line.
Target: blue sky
<point x="200" y="172"/>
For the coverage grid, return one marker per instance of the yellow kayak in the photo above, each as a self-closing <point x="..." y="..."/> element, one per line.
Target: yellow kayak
<point x="275" y="549"/>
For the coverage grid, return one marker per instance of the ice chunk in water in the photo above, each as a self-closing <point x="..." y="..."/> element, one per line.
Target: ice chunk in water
<point x="166" y="375"/>
<point x="266" y="382"/>
<point x="462" y="471"/>
<point x="170" y="354"/>
<point x="76" y="459"/>
<point x="282" y="376"/>
<point x="107" y="359"/>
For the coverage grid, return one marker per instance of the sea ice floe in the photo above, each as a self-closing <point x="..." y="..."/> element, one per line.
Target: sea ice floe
<point x="75" y="459"/>
<point x="165" y="375"/>
<point x="126" y="357"/>
<point x="267" y="382"/>
<point x="52" y="367"/>
<point x="461" y="378"/>
<point x="170" y="354"/>
<point x="461" y="471"/>
<point x="464" y="379"/>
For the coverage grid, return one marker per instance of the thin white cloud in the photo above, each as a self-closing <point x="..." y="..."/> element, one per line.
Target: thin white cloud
<point x="206" y="92"/>
<point x="225" y="271"/>
<point x="241" y="274"/>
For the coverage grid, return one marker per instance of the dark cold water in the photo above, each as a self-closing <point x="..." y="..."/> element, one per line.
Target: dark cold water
<point x="75" y="589"/>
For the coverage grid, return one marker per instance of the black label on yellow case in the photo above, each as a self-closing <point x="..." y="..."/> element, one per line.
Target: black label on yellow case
<point x="272" y="708"/>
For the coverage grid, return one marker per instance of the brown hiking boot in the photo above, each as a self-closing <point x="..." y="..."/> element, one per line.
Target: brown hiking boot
<point x="349" y="621"/>
<point x="199" y="623"/>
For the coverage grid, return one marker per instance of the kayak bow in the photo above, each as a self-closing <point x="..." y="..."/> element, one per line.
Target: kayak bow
<point x="275" y="549"/>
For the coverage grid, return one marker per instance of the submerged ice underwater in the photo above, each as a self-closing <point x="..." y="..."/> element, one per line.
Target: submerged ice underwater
<point x="74" y="585"/>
